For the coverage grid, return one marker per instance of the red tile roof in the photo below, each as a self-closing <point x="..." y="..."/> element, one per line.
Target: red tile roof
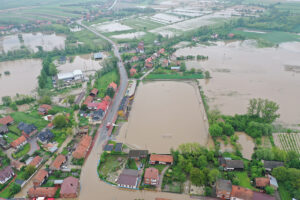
<point x="59" y="160"/>
<point x="88" y="100"/>
<point x="113" y="85"/>
<point x="262" y="181"/>
<point x="6" y="120"/>
<point x="149" y="65"/>
<point x="82" y="147"/>
<point x="161" y="158"/>
<point x="151" y="173"/>
<point x="148" y="60"/>
<point x="69" y="187"/>
<point x="102" y="105"/>
<point x="39" y="178"/>
<point x="241" y="193"/>
<point x="17" y="165"/>
<point x="36" y="161"/>
<point x="46" y="107"/>
<point x="161" y="51"/>
<point x="132" y="71"/>
<point x="42" y="192"/>
<point x="107" y="98"/>
<point x="94" y="91"/>
<point x="18" y="141"/>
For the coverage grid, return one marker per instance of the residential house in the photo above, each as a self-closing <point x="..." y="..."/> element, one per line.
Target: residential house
<point x="262" y="196"/>
<point x="161" y="159"/>
<point x="151" y="176"/>
<point x="94" y="92"/>
<point x="98" y="115"/>
<point x="128" y="179"/>
<point x="98" y="56"/>
<point x="273" y="182"/>
<point x="3" y="144"/>
<point x="113" y="85"/>
<point x="93" y="105"/>
<point x="48" y="192"/>
<point x="270" y="165"/>
<point x="123" y="107"/>
<point x="88" y="99"/>
<point x="28" y="130"/>
<point x="148" y="65"/>
<point x="6" y="174"/>
<point x="8" y="120"/>
<point x="138" y="154"/>
<point x="132" y="72"/>
<point x="164" y="62"/>
<point x="58" y="162"/>
<point x="134" y="59"/>
<point x="36" y="161"/>
<point x="234" y="165"/>
<point x="262" y="182"/>
<point x="3" y="129"/>
<point x="108" y="147"/>
<point x="118" y="147"/>
<point x="240" y="193"/>
<point x="223" y="188"/>
<point x="45" y="136"/>
<point x="70" y="188"/>
<point x="83" y="130"/>
<point x="40" y="177"/>
<point x="44" y="109"/>
<point x="17" y="165"/>
<point x="83" y="147"/>
<point x="175" y="68"/>
<point x="19" y="142"/>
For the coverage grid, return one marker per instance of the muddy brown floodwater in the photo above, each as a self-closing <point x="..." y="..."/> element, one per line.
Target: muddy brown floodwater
<point x="22" y="78"/>
<point x="165" y="114"/>
<point x="241" y="71"/>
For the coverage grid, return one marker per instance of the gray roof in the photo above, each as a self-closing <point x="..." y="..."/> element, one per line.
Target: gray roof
<point x="237" y="164"/>
<point x="3" y="129"/>
<point x="273" y="181"/>
<point x="118" y="147"/>
<point x="224" y="185"/>
<point x="273" y="164"/>
<point x="108" y="147"/>
<point x="46" y="135"/>
<point x="128" y="177"/>
<point x="130" y="172"/>
<point x="27" y="128"/>
<point x="138" y="153"/>
<point x="6" y="173"/>
<point x="98" y="55"/>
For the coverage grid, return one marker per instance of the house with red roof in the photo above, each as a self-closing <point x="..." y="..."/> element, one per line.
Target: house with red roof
<point x="93" y="105"/>
<point x="148" y="65"/>
<point x="44" y="109"/>
<point x="48" y="192"/>
<point x="161" y="159"/>
<point x="8" y="120"/>
<point x="151" y="176"/>
<point x="88" y="100"/>
<point x="113" y="85"/>
<point x="19" y="142"/>
<point x="58" y="162"/>
<point x="148" y="60"/>
<point x="161" y="51"/>
<point x="239" y="192"/>
<point x="132" y="72"/>
<point x="103" y="105"/>
<point x="134" y="59"/>
<point x="40" y="177"/>
<point x="36" y="161"/>
<point x="82" y="147"/>
<point x="69" y="188"/>
<point x="94" y="92"/>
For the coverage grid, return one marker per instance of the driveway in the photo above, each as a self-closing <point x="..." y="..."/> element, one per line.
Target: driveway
<point x="33" y="145"/>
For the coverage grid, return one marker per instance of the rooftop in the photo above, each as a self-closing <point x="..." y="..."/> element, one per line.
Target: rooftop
<point x="36" y="161"/>
<point x="59" y="160"/>
<point x="151" y="173"/>
<point x="18" y="141"/>
<point x="235" y="164"/>
<point x="69" y="186"/>
<point x="241" y="193"/>
<point x="42" y="192"/>
<point x="262" y="181"/>
<point x="272" y="164"/>
<point x="224" y="185"/>
<point x="6" y="120"/>
<point x="40" y="176"/>
<point x="161" y="158"/>
<point x="138" y="153"/>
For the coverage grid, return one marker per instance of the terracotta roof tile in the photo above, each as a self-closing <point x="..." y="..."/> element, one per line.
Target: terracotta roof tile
<point x="40" y="177"/>
<point x="18" y="141"/>
<point x="59" y="160"/>
<point x="161" y="158"/>
<point x="36" y="161"/>
<point x="42" y="192"/>
<point x="241" y="193"/>
<point x="82" y="147"/>
<point x="151" y="173"/>
<point x="6" y="120"/>
<point x="262" y="181"/>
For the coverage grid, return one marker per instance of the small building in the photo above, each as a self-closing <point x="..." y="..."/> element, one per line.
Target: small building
<point x="94" y="92"/>
<point x="93" y="105"/>
<point x="44" y="109"/>
<point x="17" y="165"/>
<point x="58" y="162"/>
<point x="151" y="176"/>
<point x="76" y="75"/>
<point x="113" y="85"/>
<point x="234" y="165"/>
<point x="123" y="107"/>
<point x="262" y="196"/>
<point x="88" y="99"/>
<point x="161" y="159"/>
<point x="8" y="120"/>
<point x="148" y="65"/>
<point x="175" y="68"/>
<point x="128" y="179"/>
<point x="40" y="177"/>
<point x="3" y="129"/>
<point x="36" y="161"/>
<point x="134" y="59"/>
<point x="223" y="188"/>
<point x="118" y="147"/>
<point x="6" y="174"/>
<point x="239" y="192"/>
<point x="98" y="115"/>
<point x="273" y="182"/>
<point x="83" y="147"/>
<point x="131" y="89"/>
<point x="28" y="130"/>
<point x="19" y="142"/>
<point x="48" y="192"/>
<point x="45" y="136"/>
<point x="108" y="147"/>
<point x="98" y="56"/>
<point x="70" y="188"/>
<point x="270" y="165"/>
<point x="132" y="72"/>
<point x="138" y="154"/>
<point x="262" y="182"/>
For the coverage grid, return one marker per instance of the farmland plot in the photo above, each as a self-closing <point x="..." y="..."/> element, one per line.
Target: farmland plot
<point x="287" y="141"/>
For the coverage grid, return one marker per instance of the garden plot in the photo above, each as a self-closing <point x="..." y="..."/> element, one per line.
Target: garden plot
<point x="129" y="35"/>
<point x="165" y="18"/>
<point x="107" y="27"/>
<point x="287" y="141"/>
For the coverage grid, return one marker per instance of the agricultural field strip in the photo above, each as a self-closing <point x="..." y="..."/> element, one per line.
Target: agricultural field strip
<point x="288" y="141"/>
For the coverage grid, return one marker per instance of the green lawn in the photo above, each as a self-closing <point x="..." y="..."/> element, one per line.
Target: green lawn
<point x="174" y="76"/>
<point x="284" y="194"/>
<point x="111" y="164"/>
<point x="59" y="135"/>
<point x="244" y="180"/>
<point x="159" y="167"/>
<point x="31" y="118"/>
<point x="11" y="137"/>
<point x="131" y="164"/>
<point x="14" y="128"/>
<point x="102" y="83"/>
<point x="21" y="153"/>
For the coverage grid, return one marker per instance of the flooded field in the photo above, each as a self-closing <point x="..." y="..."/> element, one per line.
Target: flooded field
<point x="129" y="35"/>
<point x="241" y="71"/>
<point x="32" y="40"/>
<point x="165" y="114"/>
<point x="83" y="63"/>
<point x="111" y="27"/>
<point x="22" y="78"/>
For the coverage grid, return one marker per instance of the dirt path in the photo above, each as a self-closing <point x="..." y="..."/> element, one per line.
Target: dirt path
<point x="161" y="178"/>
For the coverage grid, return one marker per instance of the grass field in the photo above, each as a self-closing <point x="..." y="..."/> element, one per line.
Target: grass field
<point x="244" y="180"/>
<point x="284" y="194"/>
<point x="89" y="38"/>
<point x="102" y="83"/>
<point x="11" y="137"/>
<point x="31" y="118"/>
<point x="110" y="165"/>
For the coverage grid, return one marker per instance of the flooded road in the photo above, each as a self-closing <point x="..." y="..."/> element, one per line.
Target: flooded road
<point x="165" y="114"/>
<point x="241" y="71"/>
<point x="22" y="78"/>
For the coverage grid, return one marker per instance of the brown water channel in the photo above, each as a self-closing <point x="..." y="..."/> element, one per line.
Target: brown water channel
<point x="241" y="71"/>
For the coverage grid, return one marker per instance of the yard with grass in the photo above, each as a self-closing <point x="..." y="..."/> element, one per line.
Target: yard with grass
<point x="102" y="82"/>
<point x="23" y="151"/>
<point x="284" y="194"/>
<point x="31" y="117"/>
<point x="175" y="187"/>
<point x="110" y="164"/>
<point x="244" y="180"/>
<point x="11" y="137"/>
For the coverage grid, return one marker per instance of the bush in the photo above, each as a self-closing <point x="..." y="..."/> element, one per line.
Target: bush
<point x="215" y="130"/>
<point x="269" y="190"/>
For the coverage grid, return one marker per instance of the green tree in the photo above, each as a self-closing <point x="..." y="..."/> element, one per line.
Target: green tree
<point x="207" y="74"/>
<point x="197" y="177"/>
<point x="215" y="130"/>
<point x="29" y="170"/>
<point x="71" y="99"/>
<point x="6" y="100"/>
<point x="213" y="175"/>
<point x="182" y="67"/>
<point x="269" y="111"/>
<point x="269" y="190"/>
<point x="45" y="100"/>
<point x="110" y="92"/>
<point x="60" y="121"/>
<point x="14" y="189"/>
<point x="202" y="161"/>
